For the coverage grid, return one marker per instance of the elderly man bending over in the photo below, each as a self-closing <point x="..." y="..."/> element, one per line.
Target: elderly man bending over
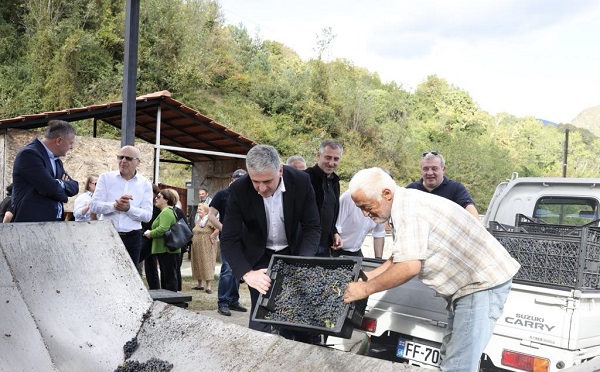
<point x="449" y="250"/>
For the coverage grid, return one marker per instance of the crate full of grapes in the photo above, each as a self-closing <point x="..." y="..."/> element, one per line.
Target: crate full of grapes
<point x="307" y="294"/>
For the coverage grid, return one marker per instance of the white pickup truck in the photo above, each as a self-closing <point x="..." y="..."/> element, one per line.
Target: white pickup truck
<point x="551" y="319"/>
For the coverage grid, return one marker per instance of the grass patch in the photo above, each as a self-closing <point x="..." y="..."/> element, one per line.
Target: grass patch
<point x="200" y="299"/>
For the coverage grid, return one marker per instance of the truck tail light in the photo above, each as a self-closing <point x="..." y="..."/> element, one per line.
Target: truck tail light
<point x="368" y="324"/>
<point x="524" y="362"/>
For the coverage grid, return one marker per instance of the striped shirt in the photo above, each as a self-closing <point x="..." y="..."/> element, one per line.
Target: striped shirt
<point x="458" y="255"/>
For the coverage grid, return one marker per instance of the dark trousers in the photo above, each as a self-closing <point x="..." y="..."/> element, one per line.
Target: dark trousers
<point x="168" y="270"/>
<point x="341" y="252"/>
<point x="132" y="242"/>
<point x="228" y="291"/>
<point x="179" y="263"/>
<point x="150" y="264"/>
<point x="323" y="251"/>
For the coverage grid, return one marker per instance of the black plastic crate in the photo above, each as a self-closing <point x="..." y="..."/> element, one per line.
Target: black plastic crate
<point x="591" y="263"/>
<point x="569" y="261"/>
<point x="310" y="310"/>
<point x="497" y="226"/>
<point x="529" y="225"/>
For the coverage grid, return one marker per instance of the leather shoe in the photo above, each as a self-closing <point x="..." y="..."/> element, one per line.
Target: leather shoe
<point x="238" y="307"/>
<point x="224" y="310"/>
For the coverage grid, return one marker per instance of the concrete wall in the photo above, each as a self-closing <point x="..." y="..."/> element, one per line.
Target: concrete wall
<point x="70" y="298"/>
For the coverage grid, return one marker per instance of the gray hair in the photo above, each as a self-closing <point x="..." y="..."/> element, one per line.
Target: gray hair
<point x="433" y="154"/>
<point x="333" y="144"/>
<point x="371" y="181"/>
<point x="294" y="158"/>
<point x="263" y="157"/>
<point x="58" y="128"/>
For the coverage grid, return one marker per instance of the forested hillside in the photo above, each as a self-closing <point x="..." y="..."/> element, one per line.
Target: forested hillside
<point x="57" y="54"/>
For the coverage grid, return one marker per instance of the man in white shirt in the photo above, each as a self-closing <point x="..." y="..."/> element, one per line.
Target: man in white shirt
<point x="353" y="226"/>
<point x="125" y="198"/>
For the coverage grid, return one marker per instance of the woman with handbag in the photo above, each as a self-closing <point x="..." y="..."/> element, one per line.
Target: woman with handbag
<point x="167" y="259"/>
<point x="180" y="215"/>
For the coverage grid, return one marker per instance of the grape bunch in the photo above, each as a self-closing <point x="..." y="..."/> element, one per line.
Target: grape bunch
<point x="152" y="365"/>
<point x="130" y="346"/>
<point x="310" y="295"/>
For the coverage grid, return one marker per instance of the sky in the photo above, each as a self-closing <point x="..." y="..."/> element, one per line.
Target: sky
<point x="536" y="58"/>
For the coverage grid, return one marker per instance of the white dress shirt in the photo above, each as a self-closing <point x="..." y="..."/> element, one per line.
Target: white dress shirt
<point x="276" y="238"/>
<point x="80" y="202"/>
<point x="110" y="187"/>
<point x="353" y="226"/>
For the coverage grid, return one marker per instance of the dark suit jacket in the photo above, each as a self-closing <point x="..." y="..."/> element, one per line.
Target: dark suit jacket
<point x="244" y="235"/>
<point x="317" y="176"/>
<point x="36" y="191"/>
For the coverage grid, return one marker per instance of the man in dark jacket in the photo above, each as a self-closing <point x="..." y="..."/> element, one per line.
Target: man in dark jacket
<point x="40" y="183"/>
<point x="271" y="210"/>
<point x="433" y="181"/>
<point x="327" y="191"/>
<point x="6" y="211"/>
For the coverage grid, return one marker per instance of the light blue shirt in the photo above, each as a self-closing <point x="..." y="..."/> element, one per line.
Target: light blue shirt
<point x="60" y="182"/>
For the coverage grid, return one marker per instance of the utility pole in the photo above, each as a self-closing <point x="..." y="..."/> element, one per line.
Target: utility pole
<point x="565" y="153"/>
<point x="132" y="25"/>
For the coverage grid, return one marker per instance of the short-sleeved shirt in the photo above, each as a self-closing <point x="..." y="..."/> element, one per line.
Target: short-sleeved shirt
<point x="219" y="202"/>
<point x="458" y="255"/>
<point x="448" y="189"/>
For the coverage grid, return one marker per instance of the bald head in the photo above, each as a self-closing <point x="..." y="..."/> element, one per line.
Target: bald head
<point x="129" y="158"/>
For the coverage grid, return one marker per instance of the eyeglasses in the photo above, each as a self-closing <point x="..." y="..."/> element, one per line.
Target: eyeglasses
<point x="128" y="158"/>
<point x="430" y="152"/>
<point x="158" y="196"/>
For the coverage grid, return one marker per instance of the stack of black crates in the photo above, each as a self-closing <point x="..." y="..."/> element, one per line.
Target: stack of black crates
<point x="553" y="255"/>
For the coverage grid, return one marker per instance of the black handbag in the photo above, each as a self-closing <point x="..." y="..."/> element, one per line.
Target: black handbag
<point x="178" y="236"/>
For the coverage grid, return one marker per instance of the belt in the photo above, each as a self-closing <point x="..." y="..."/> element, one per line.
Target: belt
<point x="129" y="233"/>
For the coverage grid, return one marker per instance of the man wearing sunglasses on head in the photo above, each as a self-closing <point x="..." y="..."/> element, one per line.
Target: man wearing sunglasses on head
<point x="434" y="181"/>
<point x="125" y="198"/>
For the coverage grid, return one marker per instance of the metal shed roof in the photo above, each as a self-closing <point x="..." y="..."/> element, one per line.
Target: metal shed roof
<point x="180" y="126"/>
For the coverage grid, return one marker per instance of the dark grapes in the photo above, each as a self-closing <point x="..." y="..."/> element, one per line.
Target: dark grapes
<point x="130" y="346"/>
<point x="152" y="365"/>
<point x="310" y="295"/>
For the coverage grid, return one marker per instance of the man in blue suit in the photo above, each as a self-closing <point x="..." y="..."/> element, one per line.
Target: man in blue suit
<point x="40" y="183"/>
<point x="271" y="210"/>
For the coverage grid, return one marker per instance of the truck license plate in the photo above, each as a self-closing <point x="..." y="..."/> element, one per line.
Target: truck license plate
<point x="418" y="352"/>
